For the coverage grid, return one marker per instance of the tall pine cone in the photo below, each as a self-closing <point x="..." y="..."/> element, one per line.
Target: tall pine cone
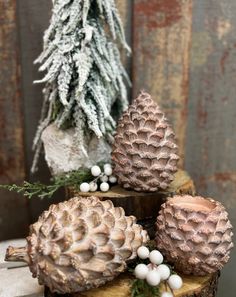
<point x="144" y="151"/>
<point x="80" y="244"/>
<point x="194" y="234"/>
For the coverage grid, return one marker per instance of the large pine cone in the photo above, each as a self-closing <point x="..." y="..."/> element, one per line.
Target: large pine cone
<point x="194" y="234"/>
<point x="80" y="244"/>
<point x="144" y="151"/>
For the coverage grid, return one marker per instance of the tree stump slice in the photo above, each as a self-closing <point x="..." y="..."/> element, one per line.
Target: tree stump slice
<point x="142" y="204"/>
<point x="193" y="286"/>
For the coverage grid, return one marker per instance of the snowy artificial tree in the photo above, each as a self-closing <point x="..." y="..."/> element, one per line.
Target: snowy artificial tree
<point x="84" y="91"/>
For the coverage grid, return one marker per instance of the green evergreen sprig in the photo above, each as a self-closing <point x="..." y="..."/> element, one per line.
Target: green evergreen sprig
<point x="140" y="288"/>
<point x="72" y="179"/>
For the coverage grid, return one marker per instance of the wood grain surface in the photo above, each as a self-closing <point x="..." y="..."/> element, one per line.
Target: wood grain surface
<point x="161" y="41"/>
<point x="120" y="287"/>
<point x="211" y="138"/>
<point x="18" y="281"/>
<point x="140" y="204"/>
<point x="11" y="125"/>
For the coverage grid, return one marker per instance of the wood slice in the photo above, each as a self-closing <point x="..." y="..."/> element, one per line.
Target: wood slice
<point x="193" y="286"/>
<point x="140" y="204"/>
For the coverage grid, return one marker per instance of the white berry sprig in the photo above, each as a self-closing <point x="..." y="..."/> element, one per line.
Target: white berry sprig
<point x="156" y="272"/>
<point x="102" y="179"/>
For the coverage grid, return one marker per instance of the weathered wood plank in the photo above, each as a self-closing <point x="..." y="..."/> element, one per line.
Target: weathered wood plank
<point x="11" y="125"/>
<point x="125" y="10"/>
<point x="211" y="137"/>
<point x="162" y="34"/>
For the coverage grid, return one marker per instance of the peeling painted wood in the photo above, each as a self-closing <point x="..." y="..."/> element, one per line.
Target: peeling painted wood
<point x="11" y="125"/>
<point x="211" y="137"/>
<point x="162" y="35"/>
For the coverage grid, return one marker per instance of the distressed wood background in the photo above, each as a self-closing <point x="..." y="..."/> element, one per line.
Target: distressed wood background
<point x="184" y="54"/>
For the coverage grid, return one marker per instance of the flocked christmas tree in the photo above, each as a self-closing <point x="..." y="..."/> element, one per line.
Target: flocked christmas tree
<point x="84" y="81"/>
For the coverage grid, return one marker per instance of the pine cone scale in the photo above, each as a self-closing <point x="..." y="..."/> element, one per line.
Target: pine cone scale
<point x="192" y="235"/>
<point x="144" y="150"/>
<point x="82" y="243"/>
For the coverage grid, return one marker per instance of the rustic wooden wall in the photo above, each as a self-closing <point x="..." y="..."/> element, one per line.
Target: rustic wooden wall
<point x="184" y="53"/>
<point x="13" y="210"/>
<point x="161" y="59"/>
<point x="211" y="126"/>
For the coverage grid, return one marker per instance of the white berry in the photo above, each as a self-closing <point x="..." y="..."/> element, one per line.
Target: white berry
<point x="175" y="282"/>
<point x="104" y="178"/>
<point x="112" y="179"/>
<point x="141" y="271"/>
<point x="104" y="187"/>
<point x="93" y="187"/>
<point x="84" y="187"/>
<point x="107" y="165"/>
<point x="143" y="252"/>
<point x="96" y="170"/>
<point x="164" y="271"/>
<point x="167" y="294"/>
<point x="108" y="170"/>
<point x="156" y="257"/>
<point x="153" y="278"/>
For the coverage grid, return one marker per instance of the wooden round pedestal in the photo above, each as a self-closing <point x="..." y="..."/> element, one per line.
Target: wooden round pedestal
<point x="144" y="206"/>
<point x="193" y="286"/>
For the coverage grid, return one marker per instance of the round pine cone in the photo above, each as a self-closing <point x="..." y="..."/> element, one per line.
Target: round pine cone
<point x="144" y="150"/>
<point x="80" y="244"/>
<point x="194" y="234"/>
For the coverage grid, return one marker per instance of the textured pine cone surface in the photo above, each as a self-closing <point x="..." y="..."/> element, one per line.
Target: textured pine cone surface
<point x="80" y="244"/>
<point x="144" y="150"/>
<point x="194" y="234"/>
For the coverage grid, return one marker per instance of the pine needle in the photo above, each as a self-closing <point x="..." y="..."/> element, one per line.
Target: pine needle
<point x="73" y="179"/>
<point x="140" y="288"/>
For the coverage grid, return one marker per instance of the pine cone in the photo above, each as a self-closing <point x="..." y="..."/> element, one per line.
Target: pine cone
<point x="80" y="244"/>
<point x="144" y="151"/>
<point x="194" y="234"/>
